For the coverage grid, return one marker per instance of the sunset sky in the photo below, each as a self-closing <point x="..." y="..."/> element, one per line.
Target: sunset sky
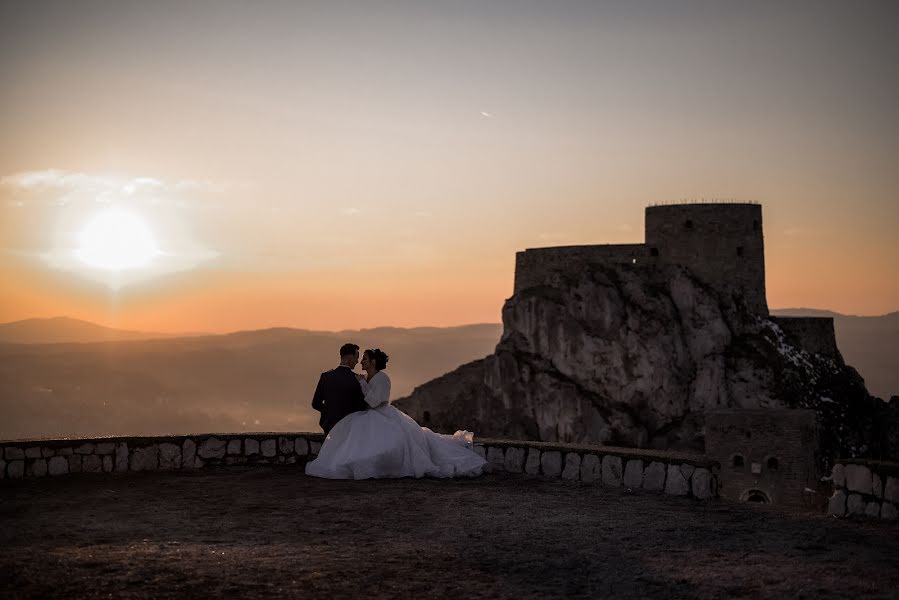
<point x="340" y="165"/>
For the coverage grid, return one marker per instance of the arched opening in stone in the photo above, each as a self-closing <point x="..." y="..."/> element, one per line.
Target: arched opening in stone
<point x="739" y="250"/>
<point x="653" y="251"/>
<point x="736" y="461"/>
<point x="755" y="496"/>
<point x="755" y="225"/>
<point x="688" y="224"/>
<point x="772" y="463"/>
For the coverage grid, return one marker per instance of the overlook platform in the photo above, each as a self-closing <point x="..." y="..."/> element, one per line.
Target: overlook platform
<point x="269" y="531"/>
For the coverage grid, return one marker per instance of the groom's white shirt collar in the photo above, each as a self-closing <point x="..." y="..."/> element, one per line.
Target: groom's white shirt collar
<point x="347" y="366"/>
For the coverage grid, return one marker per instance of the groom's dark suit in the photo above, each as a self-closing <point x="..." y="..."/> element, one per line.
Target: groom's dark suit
<point x="337" y="394"/>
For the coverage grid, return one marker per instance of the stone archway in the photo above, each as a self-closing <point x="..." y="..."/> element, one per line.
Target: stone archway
<point x="755" y="495"/>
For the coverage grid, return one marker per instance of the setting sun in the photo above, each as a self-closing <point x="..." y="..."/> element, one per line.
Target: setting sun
<point x="116" y="240"/>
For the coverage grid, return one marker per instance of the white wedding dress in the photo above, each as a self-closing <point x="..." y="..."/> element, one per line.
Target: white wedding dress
<point x="385" y="442"/>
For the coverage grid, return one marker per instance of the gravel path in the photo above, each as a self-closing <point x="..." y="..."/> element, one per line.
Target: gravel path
<point x="246" y="532"/>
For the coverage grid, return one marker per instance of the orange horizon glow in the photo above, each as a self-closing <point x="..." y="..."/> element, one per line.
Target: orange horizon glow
<point x="332" y="168"/>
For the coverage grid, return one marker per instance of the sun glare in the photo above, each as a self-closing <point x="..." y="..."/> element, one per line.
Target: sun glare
<point x="116" y="240"/>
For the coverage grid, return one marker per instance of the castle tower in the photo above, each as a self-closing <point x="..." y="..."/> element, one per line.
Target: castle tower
<point x="721" y="243"/>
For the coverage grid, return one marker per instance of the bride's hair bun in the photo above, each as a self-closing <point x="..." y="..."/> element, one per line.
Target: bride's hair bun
<point x="380" y="358"/>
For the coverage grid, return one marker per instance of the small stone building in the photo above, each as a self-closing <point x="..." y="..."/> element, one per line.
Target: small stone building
<point x="766" y="455"/>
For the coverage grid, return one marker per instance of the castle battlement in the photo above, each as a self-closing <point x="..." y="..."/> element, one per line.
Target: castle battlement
<point x="721" y="243"/>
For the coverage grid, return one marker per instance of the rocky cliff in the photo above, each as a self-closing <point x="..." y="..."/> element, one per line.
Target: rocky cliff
<point x="632" y="355"/>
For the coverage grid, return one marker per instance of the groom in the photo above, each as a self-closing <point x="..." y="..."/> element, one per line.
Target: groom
<point x="338" y="392"/>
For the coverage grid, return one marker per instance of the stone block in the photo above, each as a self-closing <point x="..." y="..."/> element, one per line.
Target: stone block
<point x="612" y="470"/>
<point x="65" y="451"/>
<point x="38" y="467"/>
<point x="837" y="504"/>
<point x="92" y="464"/>
<point x="285" y="446"/>
<point x="481" y="451"/>
<point x="675" y="483"/>
<point x="212" y="448"/>
<point x="872" y="510"/>
<point x="301" y="446"/>
<point x="495" y="458"/>
<point x="532" y="464"/>
<point x="33" y="452"/>
<point x="250" y="446"/>
<point x="86" y="448"/>
<point x="877" y="485"/>
<point x="121" y="457"/>
<point x="633" y="473"/>
<point x="47" y="452"/>
<point x="234" y="447"/>
<point x="105" y="448"/>
<point x="687" y="471"/>
<point x="291" y="460"/>
<point x="888" y="511"/>
<point x="515" y="458"/>
<point x="107" y="464"/>
<point x="591" y="468"/>
<point x="572" y="468"/>
<point x="314" y="447"/>
<point x="58" y="465"/>
<point x="838" y="475"/>
<point x="701" y="484"/>
<point x="13" y="453"/>
<point x="2" y="469"/>
<point x="268" y="448"/>
<point x="169" y="457"/>
<point x="551" y="463"/>
<point x="654" y="477"/>
<point x="75" y="463"/>
<point x="891" y="490"/>
<point x="16" y="469"/>
<point x="858" y="479"/>
<point x="189" y="454"/>
<point x="145" y="458"/>
<point x="856" y="505"/>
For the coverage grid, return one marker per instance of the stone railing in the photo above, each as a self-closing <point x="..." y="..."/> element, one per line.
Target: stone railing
<point x="865" y="488"/>
<point x="39" y="458"/>
<point x="668" y="472"/>
<point x="654" y="471"/>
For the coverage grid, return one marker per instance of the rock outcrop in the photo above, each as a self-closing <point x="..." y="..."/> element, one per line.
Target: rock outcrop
<point x="634" y="355"/>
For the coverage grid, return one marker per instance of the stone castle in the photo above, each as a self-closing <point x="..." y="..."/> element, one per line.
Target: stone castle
<point x="666" y="344"/>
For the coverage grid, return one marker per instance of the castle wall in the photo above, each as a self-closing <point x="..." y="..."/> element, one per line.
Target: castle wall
<point x="746" y="441"/>
<point x="721" y="243"/>
<point x="533" y="266"/>
<point x="867" y="488"/>
<point x="812" y="334"/>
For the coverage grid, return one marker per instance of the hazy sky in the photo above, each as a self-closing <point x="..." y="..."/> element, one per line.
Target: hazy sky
<point x="339" y="165"/>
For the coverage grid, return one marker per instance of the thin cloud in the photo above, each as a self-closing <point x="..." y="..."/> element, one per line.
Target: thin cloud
<point x="487" y="115"/>
<point x="350" y="211"/>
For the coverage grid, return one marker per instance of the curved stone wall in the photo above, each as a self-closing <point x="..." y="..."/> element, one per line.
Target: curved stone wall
<point x="536" y="266"/>
<point x="812" y="334"/>
<point x="662" y="472"/>
<point x="721" y="243"/>
<point x="865" y="488"/>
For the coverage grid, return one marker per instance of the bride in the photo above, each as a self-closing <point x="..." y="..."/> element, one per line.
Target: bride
<point x="385" y="442"/>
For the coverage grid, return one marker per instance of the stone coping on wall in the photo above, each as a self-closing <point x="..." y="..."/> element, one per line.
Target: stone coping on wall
<point x="865" y="488"/>
<point x="651" y="470"/>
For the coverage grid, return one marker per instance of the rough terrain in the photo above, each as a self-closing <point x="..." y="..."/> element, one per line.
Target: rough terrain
<point x="244" y="532"/>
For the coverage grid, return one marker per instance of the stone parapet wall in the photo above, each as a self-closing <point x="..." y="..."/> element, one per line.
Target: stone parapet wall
<point x="673" y="473"/>
<point x="41" y="458"/>
<point x="535" y="266"/>
<point x="812" y="334"/>
<point x="865" y="489"/>
<point x="669" y="472"/>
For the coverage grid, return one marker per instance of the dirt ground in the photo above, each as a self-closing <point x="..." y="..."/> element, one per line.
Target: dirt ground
<point x="249" y="532"/>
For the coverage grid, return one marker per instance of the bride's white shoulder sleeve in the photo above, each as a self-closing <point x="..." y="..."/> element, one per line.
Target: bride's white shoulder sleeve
<point x="378" y="391"/>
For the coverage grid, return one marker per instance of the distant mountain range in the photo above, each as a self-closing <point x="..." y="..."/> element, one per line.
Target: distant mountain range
<point x="244" y="381"/>
<point x="64" y="377"/>
<point x="65" y="329"/>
